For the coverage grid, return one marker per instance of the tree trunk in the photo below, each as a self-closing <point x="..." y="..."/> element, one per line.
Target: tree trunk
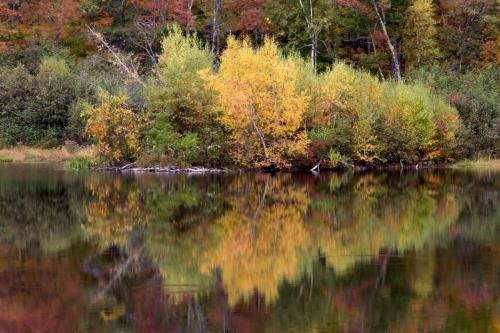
<point x="215" y="40"/>
<point x="190" y="11"/>
<point x="396" y="67"/>
<point x="313" y="32"/>
<point x="314" y="51"/>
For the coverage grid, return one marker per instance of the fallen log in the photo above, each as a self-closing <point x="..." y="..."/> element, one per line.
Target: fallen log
<point x="168" y="169"/>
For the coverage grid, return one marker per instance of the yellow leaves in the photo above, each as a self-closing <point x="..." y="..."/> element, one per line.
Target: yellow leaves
<point x="260" y="104"/>
<point x="114" y="126"/>
<point x="420" y="34"/>
<point x="112" y="312"/>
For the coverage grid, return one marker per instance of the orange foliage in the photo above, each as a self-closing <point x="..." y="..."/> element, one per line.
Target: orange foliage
<point x="114" y="126"/>
<point x="22" y="20"/>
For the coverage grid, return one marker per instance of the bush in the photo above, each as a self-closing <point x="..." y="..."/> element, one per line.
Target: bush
<point x="476" y="98"/>
<point x="351" y="104"/>
<point x="407" y="126"/>
<point x="115" y="128"/>
<point x="168" y="146"/>
<point x="362" y="120"/>
<point x="180" y="105"/>
<point x="78" y="163"/>
<point x="34" y="109"/>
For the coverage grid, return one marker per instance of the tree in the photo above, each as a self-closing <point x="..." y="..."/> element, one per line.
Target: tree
<point x="379" y="9"/>
<point x="420" y="34"/>
<point x="260" y="105"/>
<point x="35" y="109"/>
<point x="181" y="105"/>
<point x="311" y="27"/>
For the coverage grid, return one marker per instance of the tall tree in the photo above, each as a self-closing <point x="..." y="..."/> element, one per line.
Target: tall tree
<point x="379" y="7"/>
<point x="260" y="105"/>
<point x="377" y="10"/>
<point x="419" y="34"/>
<point x="309" y="26"/>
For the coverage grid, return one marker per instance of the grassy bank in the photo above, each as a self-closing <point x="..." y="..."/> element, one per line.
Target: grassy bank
<point x="484" y="163"/>
<point x="30" y="154"/>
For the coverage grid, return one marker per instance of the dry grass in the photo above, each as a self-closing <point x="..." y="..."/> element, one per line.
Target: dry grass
<point x="29" y="154"/>
<point x="482" y="163"/>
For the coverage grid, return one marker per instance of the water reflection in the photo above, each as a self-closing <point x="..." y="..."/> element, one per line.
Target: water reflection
<point x="248" y="253"/>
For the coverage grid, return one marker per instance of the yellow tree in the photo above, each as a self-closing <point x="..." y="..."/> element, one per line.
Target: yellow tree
<point x="260" y="104"/>
<point x="420" y="34"/>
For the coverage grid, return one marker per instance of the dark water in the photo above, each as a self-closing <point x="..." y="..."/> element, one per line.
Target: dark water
<point x="368" y="252"/>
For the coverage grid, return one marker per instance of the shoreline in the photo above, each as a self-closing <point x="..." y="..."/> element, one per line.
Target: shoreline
<point x="65" y="154"/>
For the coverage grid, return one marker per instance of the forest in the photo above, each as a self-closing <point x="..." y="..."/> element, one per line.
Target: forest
<point x="275" y="84"/>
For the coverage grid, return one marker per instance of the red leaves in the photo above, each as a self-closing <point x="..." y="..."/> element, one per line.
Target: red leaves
<point x="37" y="18"/>
<point x="246" y="15"/>
<point x="357" y="6"/>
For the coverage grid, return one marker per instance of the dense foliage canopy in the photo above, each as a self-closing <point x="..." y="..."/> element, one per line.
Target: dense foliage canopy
<point x="261" y="83"/>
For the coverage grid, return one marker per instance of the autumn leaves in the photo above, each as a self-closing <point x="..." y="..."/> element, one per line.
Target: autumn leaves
<point x="260" y="105"/>
<point x="263" y="109"/>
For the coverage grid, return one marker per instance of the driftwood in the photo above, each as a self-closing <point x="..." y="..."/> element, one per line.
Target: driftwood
<point x="316" y="167"/>
<point x="169" y="169"/>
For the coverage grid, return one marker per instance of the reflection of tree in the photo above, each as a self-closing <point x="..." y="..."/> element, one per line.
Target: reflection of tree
<point x="260" y="236"/>
<point x="372" y="213"/>
<point x="423" y="290"/>
<point x="181" y="231"/>
<point x="342" y="252"/>
<point x="39" y="208"/>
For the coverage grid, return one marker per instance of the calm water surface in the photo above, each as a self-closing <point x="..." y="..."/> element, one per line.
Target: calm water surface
<point x="365" y="252"/>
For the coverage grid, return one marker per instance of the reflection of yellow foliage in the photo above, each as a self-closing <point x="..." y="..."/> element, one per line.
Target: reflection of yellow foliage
<point x="260" y="238"/>
<point x="112" y="212"/>
<point x="112" y="313"/>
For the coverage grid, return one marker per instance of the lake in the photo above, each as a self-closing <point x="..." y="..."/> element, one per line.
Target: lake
<point x="411" y="251"/>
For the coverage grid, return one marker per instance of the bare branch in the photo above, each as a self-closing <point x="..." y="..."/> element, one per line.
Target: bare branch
<point x="116" y="57"/>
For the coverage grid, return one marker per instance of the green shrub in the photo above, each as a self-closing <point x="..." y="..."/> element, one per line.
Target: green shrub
<point x="166" y="145"/>
<point x="407" y="126"/>
<point x="183" y="123"/>
<point x="476" y="97"/>
<point x="34" y="109"/>
<point x="79" y="163"/>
